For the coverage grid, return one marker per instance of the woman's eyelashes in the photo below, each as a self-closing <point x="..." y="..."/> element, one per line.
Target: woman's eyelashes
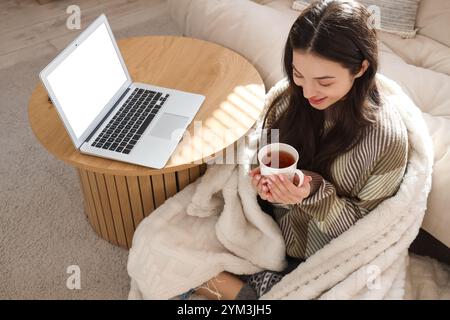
<point x="321" y="84"/>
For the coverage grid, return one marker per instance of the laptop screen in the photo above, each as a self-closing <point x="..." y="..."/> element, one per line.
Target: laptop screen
<point x="86" y="80"/>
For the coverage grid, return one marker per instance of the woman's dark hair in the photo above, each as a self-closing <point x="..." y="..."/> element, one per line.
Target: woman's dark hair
<point x="337" y="30"/>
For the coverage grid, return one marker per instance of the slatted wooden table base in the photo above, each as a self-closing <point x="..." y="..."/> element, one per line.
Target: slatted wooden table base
<point x="115" y="205"/>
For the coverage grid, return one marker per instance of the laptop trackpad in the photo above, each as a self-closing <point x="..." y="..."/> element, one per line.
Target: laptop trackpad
<point x="169" y="126"/>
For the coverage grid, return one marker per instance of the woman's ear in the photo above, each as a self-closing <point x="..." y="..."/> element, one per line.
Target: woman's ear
<point x="364" y="65"/>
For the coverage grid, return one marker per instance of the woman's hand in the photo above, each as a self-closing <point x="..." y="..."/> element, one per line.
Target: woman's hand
<point x="279" y="189"/>
<point x="260" y="183"/>
<point x="284" y="191"/>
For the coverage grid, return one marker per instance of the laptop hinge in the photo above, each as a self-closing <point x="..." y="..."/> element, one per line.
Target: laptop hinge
<point x="107" y="115"/>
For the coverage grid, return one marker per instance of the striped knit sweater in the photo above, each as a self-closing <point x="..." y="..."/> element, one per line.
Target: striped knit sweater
<point x="363" y="177"/>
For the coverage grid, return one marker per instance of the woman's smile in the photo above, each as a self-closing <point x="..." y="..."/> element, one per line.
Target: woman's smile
<point x="316" y="101"/>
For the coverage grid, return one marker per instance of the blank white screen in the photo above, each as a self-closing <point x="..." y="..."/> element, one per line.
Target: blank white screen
<point x="87" y="79"/>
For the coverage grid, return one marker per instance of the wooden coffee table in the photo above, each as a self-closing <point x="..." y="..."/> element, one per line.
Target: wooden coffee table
<point x="118" y="195"/>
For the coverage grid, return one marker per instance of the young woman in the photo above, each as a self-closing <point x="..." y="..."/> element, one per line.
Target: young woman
<point x="353" y="148"/>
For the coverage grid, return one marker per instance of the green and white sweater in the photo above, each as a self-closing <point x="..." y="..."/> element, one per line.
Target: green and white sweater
<point x="364" y="176"/>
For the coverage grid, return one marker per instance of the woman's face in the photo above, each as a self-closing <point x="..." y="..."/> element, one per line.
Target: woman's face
<point x="324" y="82"/>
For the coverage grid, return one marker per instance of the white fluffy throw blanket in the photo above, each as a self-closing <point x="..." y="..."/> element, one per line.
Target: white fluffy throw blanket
<point x="216" y="224"/>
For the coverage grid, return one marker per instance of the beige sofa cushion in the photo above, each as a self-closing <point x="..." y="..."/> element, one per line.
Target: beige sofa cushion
<point x="280" y="5"/>
<point x="421" y="51"/>
<point x="433" y="20"/>
<point x="246" y="30"/>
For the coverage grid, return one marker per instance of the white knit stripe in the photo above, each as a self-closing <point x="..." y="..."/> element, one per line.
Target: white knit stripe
<point x="376" y="186"/>
<point x="330" y="225"/>
<point x="350" y="214"/>
<point x="358" y="163"/>
<point x="363" y="154"/>
<point x="288" y="234"/>
<point x="338" y="170"/>
<point x="380" y="186"/>
<point x="316" y="239"/>
<point x="300" y="222"/>
<point x="349" y="177"/>
<point x="394" y="159"/>
<point x="342" y="216"/>
<point x="320" y="203"/>
<point x="294" y="226"/>
<point x="348" y="217"/>
<point x="292" y="234"/>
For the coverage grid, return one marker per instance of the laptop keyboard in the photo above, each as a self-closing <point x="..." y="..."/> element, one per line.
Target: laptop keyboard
<point x="126" y="127"/>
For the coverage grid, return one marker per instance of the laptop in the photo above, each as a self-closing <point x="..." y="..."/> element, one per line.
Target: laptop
<point x="108" y="115"/>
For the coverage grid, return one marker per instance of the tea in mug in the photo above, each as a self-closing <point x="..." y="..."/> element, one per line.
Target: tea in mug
<point x="278" y="159"/>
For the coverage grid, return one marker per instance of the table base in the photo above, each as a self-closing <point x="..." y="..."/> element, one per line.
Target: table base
<point x="115" y="205"/>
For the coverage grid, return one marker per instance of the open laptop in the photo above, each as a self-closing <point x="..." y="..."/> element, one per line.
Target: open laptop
<point x="108" y="115"/>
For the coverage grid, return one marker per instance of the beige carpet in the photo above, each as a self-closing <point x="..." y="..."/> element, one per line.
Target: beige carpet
<point x="427" y="279"/>
<point x="43" y="228"/>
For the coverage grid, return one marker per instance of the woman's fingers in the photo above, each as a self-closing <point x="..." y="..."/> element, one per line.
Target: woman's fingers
<point x="278" y="197"/>
<point x="298" y="189"/>
<point x="280" y="194"/>
<point x="255" y="180"/>
<point x="259" y="183"/>
<point x="288" y="184"/>
<point x="306" y="183"/>
<point x="306" y="180"/>
<point x="278" y="188"/>
<point x="278" y="184"/>
<point x="255" y="175"/>
<point x="255" y="171"/>
<point x="305" y="188"/>
<point x="285" y="191"/>
<point x="262" y="189"/>
<point x="270" y="196"/>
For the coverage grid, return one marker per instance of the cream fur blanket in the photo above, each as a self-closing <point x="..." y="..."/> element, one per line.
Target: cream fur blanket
<point x="216" y="224"/>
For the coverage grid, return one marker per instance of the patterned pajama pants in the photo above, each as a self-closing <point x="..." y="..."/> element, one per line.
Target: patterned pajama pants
<point x="263" y="281"/>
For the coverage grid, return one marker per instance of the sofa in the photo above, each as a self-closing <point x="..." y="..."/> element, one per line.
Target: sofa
<point x="420" y="65"/>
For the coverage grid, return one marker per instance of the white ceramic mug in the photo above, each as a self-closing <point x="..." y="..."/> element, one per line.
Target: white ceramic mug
<point x="290" y="171"/>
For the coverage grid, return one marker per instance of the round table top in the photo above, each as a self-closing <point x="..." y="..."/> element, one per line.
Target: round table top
<point x="234" y="100"/>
